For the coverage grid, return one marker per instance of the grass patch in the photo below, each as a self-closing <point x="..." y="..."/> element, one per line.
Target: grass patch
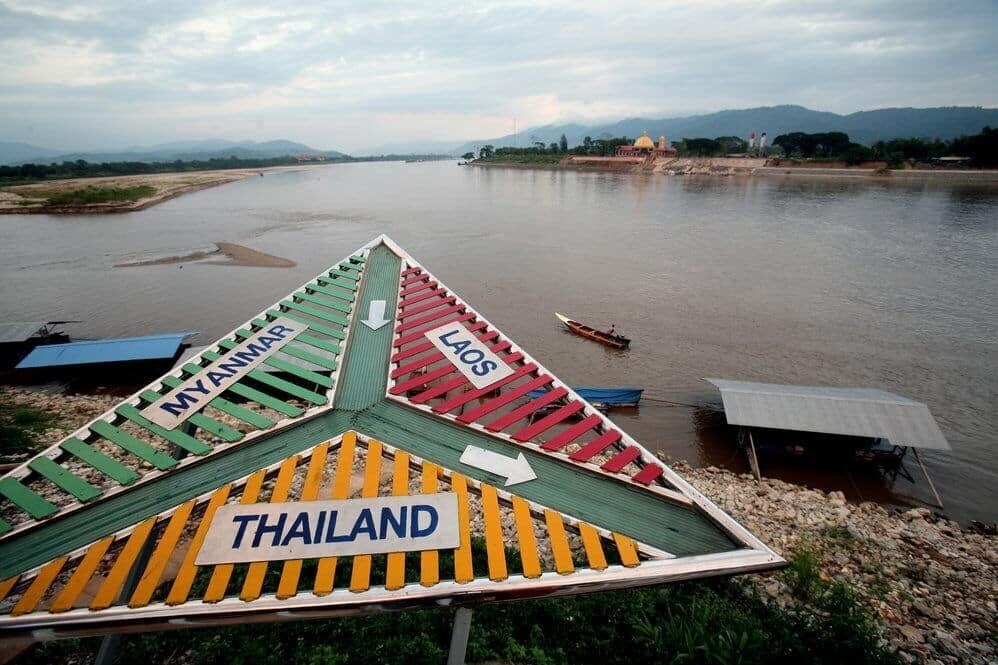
<point x="838" y="532"/>
<point x="20" y="427"/>
<point x="93" y="194"/>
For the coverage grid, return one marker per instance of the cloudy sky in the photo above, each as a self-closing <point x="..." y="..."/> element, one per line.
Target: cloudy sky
<point x="357" y="75"/>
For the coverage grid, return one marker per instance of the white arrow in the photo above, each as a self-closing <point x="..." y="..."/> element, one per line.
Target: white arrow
<point x="515" y="470"/>
<point x="375" y="315"/>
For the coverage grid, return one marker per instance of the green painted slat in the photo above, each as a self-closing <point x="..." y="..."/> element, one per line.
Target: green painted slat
<point x="279" y="383"/>
<point x="251" y="418"/>
<point x="305" y="338"/>
<point x="351" y="266"/>
<point x="69" y="482"/>
<point x="109" y="466"/>
<point x="175" y="436"/>
<point x="316" y="327"/>
<point x="329" y="292"/>
<point x="4" y="527"/>
<point x="257" y="396"/>
<point x="221" y="430"/>
<point x="358" y="258"/>
<point x="290" y="368"/>
<point x="296" y="352"/>
<point x="339" y="272"/>
<point x="324" y="302"/>
<point x="337" y="282"/>
<point x="133" y="445"/>
<point x="25" y="499"/>
<point x="317" y="313"/>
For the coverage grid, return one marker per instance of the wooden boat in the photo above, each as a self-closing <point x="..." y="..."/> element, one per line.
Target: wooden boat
<point x="600" y="336"/>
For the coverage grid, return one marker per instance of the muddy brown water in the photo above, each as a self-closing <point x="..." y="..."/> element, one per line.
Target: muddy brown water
<point x="787" y="280"/>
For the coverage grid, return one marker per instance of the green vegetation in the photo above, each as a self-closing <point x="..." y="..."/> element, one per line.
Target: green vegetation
<point x="20" y="427"/>
<point x="709" y="622"/>
<point x="101" y="195"/>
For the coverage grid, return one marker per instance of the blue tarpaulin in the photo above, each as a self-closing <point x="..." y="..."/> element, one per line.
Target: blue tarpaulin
<point x="603" y="396"/>
<point x="152" y="347"/>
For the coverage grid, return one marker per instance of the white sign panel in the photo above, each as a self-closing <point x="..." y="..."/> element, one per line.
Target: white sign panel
<point x="312" y="529"/>
<point x="178" y="404"/>
<point x="470" y="356"/>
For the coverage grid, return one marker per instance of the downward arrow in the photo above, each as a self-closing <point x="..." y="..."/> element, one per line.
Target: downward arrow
<point x="375" y="315"/>
<point x="514" y="470"/>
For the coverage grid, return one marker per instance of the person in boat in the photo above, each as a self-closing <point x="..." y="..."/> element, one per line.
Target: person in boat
<point x="612" y="330"/>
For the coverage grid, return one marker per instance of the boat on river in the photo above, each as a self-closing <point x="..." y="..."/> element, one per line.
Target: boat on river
<point x="600" y="336"/>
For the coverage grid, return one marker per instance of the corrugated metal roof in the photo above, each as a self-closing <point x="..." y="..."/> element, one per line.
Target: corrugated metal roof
<point x="151" y="347"/>
<point x="19" y="331"/>
<point x="849" y="411"/>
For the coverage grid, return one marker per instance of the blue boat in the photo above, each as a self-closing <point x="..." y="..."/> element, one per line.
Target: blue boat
<point x="603" y="398"/>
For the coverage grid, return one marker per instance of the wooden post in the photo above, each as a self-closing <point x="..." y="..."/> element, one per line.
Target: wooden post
<point x="939" y="502"/>
<point x="753" y="459"/>
<point x="459" y="636"/>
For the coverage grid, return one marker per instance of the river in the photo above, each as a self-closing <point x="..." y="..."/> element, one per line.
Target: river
<point x="785" y="280"/>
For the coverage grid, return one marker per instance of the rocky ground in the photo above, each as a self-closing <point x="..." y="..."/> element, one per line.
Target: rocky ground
<point x="932" y="582"/>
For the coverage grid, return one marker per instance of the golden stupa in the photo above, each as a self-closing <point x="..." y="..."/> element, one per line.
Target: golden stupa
<point x="644" y="143"/>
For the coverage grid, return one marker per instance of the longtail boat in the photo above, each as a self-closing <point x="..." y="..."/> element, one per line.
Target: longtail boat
<point x="592" y="333"/>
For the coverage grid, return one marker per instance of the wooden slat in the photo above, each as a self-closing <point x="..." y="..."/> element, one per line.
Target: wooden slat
<point x="648" y="474"/>
<point x="255" y="573"/>
<point x="548" y="421"/>
<point x="134" y="445"/>
<point x="417" y="381"/>
<point x="622" y="459"/>
<point x="285" y="366"/>
<point x="251" y="418"/>
<point x="326" y="569"/>
<point x="291" y="573"/>
<point x="221" y="430"/>
<point x="527" y="540"/>
<point x="6" y="585"/>
<point x="594" y="547"/>
<point x="403" y="304"/>
<point x="127" y="557"/>
<point x="455" y="383"/>
<point x="181" y="588"/>
<point x="69" y="482"/>
<point x="628" y="552"/>
<point x="421" y="333"/>
<point x="427" y="345"/>
<point x="431" y="358"/>
<point x="33" y="595"/>
<point x="428" y="306"/>
<point x="344" y="274"/>
<point x="566" y="437"/>
<point x="495" y="545"/>
<point x="303" y="338"/>
<point x="360" y="576"/>
<point x="25" y="499"/>
<point x="559" y="542"/>
<point x="596" y="446"/>
<point x="322" y="302"/>
<point x="301" y="354"/>
<point x="276" y="382"/>
<point x="463" y="570"/>
<point x="262" y="398"/>
<point x="110" y="467"/>
<point x="415" y="279"/>
<point x="429" y="560"/>
<point x="174" y="436"/>
<point x="161" y="555"/>
<point x="502" y="400"/>
<point x="430" y="318"/>
<point x="475" y="393"/>
<point x="410" y="270"/>
<point x="395" y="575"/>
<point x="81" y="576"/>
<point x="317" y="313"/>
<point x="315" y="327"/>
<point x="338" y="283"/>
<point x="223" y="572"/>
<point x="525" y="410"/>
<point x="4" y="527"/>
<point x="416" y="288"/>
<point x="332" y="304"/>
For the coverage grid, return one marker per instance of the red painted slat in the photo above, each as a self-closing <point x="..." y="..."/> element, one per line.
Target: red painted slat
<point x="575" y="431"/>
<point x="422" y="296"/>
<point x="429" y="318"/>
<point x="454" y="384"/>
<point x="548" y="421"/>
<point x="414" y="279"/>
<point x="419" y="334"/>
<point x="526" y="409"/>
<point x="646" y="475"/>
<point x="595" y="447"/>
<point x="417" y="381"/>
<point x="449" y="300"/>
<point x="417" y="288"/>
<point x="402" y="370"/>
<point x="501" y="401"/>
<point x="426" y="346"/>
<point x="622" y="459"/>
<point x="409" y="271"/>
<point x="475" y="393"/>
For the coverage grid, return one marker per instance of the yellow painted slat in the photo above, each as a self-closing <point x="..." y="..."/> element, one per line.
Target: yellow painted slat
<point x="528" y="541"/>
<point x="395" y="575"/>
<point x="81" y="576"/>
<point x="220" y="576"/>
<point x="429" y="560"/>
<point x="7" y="585"/>
<point x="161" y="556"/>
<point x="494" y="545"/>
<point x="326" y="569"/>
<point x="253" y="586"/>
<point x="290" y="574"/>
<point x="185" y="576"/>
<point x="30" y="599"/>
<point x="108" y="592"/>
<point x="463" y="571"/>
<point x="593" y="545"/>
<point x="559" y="542"/>
<point x="628" y="552"/>
<point x="360" y="576"/>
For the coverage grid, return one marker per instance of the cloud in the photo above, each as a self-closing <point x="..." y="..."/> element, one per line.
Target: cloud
<point x="348" y="76"/>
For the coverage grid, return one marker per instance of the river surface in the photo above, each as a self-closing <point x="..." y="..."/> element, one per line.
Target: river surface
<point x="784" y="280"/>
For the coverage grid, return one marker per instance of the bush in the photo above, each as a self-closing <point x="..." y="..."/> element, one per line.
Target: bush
<point x="92" y="194"/>
<point x="20" y="427"/>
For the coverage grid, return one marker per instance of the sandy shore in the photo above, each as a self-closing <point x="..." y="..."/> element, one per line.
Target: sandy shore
<point x="235" y="255"/>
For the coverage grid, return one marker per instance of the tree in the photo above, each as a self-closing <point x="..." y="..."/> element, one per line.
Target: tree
<point x="587" y="144"/>
<point x="468" y="155"/>
<point x="563" y="144"/>
<point x="553" y="148"/>
<point x="486" y="151"/>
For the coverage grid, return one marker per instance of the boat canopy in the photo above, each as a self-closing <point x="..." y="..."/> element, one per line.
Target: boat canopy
<point x="865" y="412"/>
<point x="151" y="347"/>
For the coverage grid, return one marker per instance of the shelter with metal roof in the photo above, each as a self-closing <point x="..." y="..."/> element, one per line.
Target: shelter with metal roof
<point x="96" y="351"/>
<point x="105" y="530"/>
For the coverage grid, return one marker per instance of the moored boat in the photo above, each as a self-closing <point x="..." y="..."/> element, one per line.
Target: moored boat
<point x="600" y="336"/>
